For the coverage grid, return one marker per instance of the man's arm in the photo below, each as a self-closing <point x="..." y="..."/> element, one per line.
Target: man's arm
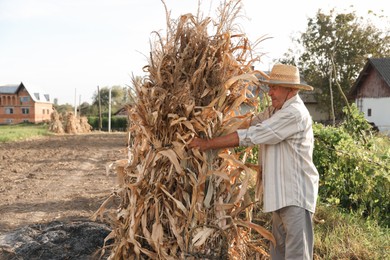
<point x="227" y="141"/>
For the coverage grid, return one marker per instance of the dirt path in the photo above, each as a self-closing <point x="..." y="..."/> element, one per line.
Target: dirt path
<point x="56" y="178"/>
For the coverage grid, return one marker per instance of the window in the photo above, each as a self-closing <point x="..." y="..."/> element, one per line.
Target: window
<point x="369" y="112"/>
<point x="24" y="99"/>
<point x="25" y="110"/>
<point x="9" y="110"/>
<point x="43" y="111"/>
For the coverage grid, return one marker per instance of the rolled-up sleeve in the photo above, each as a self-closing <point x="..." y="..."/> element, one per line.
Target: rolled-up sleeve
<point x="271" y="131"/>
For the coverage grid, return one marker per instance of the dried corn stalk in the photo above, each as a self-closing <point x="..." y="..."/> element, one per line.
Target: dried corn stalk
<point x="178" y="203"/>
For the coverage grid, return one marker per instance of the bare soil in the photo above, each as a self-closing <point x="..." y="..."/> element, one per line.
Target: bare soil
<point x="58" y="178"/>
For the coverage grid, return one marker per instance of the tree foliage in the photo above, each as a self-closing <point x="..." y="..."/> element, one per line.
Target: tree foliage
<point x="62" y="109"/>
<point x="335" y="48"/>
<point x="119" y="97"/>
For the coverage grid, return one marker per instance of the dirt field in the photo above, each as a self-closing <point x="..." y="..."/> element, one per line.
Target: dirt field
<point x="58" y="178"/>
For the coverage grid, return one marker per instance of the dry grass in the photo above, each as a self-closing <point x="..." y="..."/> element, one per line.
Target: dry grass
<point x="178" y="203"/>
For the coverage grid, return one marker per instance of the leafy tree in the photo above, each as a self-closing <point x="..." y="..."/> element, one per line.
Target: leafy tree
<point x="62" y="109"/>
<point x="335" y="48"/>
<point x="85" y="109"/>
<point x="119" y="97"/>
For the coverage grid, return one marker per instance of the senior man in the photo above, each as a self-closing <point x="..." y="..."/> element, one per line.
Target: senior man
<point x="290" y="179"/>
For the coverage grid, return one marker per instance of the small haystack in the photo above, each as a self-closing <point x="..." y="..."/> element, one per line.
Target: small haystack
<point x="85" y="127"/>
<point x="56" y="123"/>
<point x="178" y="203"/>
<point x="69" y="124"/>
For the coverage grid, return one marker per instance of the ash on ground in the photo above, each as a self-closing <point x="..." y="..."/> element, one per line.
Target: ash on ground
<point x="55" y="241"/>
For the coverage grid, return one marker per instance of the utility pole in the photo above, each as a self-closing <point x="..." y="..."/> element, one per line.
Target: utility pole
<point x="80" y="105"/>
<point x="109" y="110"/>
<point x="75" y="102"/>
<point x="100" y="110"/>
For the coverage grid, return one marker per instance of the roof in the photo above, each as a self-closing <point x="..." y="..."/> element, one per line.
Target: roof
<point x="10" y="89"/>
<point x="381" y="65"/>
<point x="15" y="88"/>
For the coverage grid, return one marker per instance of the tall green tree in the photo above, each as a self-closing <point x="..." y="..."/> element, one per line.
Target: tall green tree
<point x="119" y="97"/>
<point x="335" y="48"/>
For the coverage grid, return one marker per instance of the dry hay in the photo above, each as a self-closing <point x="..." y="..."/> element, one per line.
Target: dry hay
<point x="178" y="203"/>
<point x="55" y="124"/>
<point x="69" y="124"/>
<point x="84" y="126"/>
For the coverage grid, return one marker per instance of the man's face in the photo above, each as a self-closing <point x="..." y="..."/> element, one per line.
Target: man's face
<point x="278" y="95"/>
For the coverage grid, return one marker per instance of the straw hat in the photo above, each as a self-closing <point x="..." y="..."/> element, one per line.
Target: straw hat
<point x="286" y="76"/>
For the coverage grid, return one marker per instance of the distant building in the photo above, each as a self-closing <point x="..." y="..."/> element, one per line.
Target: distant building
<point x="371" y="92"/>
<point x="311" y="103"/>
<point x="18" y="105"/>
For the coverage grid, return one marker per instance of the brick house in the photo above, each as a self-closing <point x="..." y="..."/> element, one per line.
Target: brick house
<point x="371" y="92"/>
<point x="18" y="105"/>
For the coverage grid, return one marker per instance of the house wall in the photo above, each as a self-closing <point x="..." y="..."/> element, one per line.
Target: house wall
<point x="316" y="114"/>
<point x="373" y="86"/>
<point x="24" y="109"/>
<point x="376" y="111"/>
<point x="42" y="112"/>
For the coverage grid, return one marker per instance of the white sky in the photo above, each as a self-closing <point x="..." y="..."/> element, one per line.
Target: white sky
<point x="67" y="48"/>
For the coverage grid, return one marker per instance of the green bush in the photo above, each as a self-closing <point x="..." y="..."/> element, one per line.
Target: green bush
<point x="353" y="168"/>
<point x="117" y="123"/>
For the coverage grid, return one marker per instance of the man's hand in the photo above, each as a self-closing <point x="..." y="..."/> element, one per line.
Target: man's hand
<point x="227" y="141"/>
<point x="198" y="143"/>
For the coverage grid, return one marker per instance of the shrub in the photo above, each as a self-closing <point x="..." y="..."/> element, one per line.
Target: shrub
<point x="354" y="170"/>
<point x="117" y="123"/>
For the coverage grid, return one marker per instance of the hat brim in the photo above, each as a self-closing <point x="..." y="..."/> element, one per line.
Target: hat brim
<point x="287" y="84"/>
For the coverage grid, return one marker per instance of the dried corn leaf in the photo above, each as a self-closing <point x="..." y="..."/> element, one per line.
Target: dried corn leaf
<point x="201" y="236"/>
<point x="261" y="230"/>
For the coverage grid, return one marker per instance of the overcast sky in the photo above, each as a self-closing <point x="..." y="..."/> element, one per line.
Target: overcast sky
<point x="66" y="48"/>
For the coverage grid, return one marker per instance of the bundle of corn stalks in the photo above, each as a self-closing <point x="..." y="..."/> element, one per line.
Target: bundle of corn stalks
<point x="177" y="203"/>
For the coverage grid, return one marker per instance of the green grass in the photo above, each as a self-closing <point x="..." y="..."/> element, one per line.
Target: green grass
<point x="339" y="235"/>
<point x="10" y="133"/>
<point x="348" y="236"/>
